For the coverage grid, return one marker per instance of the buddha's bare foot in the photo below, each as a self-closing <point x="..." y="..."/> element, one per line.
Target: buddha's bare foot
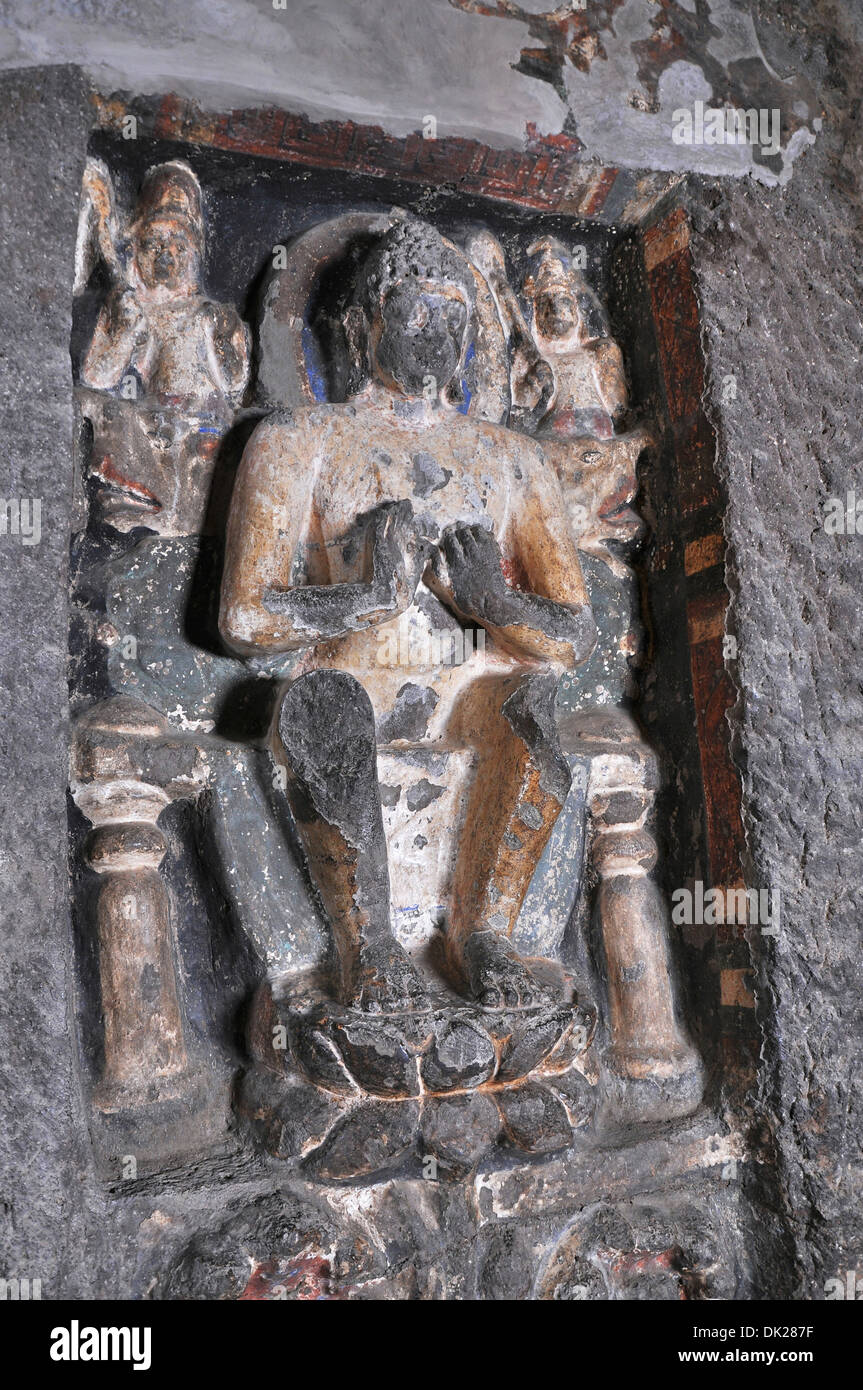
<point x="385" y="980"/>
<point x="497" y="976"/>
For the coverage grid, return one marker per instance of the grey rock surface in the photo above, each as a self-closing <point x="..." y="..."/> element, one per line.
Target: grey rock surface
<point x="42" y="1140"/>
<point x="780" y="283"/>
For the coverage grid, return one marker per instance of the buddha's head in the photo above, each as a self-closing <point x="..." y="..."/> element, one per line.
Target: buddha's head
<point x="417" y="294"/>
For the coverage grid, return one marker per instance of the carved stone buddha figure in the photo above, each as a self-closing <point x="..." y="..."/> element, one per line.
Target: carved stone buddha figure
<point x="393" y="510"/>
<point x="446" y="874"/>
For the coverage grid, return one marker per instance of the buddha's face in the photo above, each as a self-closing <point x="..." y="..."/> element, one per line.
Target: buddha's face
<point x="419" y="335"/>
<point x="166" y="256"/>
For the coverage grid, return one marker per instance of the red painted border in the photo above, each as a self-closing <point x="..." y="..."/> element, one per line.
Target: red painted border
<point x="546" y="175"/>
<point x="675" y="310"/>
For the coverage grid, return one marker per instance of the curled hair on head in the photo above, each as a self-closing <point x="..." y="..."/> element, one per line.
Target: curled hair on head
<point x="411" y="249"/>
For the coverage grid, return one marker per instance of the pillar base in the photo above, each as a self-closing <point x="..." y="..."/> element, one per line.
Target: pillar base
<point x="640" y="1087"/>
<point x="136" y="1134"/>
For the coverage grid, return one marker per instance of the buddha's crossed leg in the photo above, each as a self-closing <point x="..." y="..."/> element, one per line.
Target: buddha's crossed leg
<point x="326" y="741"/>
<point x="521" y="784"/>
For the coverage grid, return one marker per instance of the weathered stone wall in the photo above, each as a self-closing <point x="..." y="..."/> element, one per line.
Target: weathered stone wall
<point x="42" y="1154"/>
<point x="604" y="77"/>
<point x="779" y="278"/>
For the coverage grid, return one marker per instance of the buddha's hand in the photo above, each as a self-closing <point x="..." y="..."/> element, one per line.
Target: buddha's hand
<point x="399" y="553"/>
<point x="467" y="569"/>
<point x="467" y="572"/>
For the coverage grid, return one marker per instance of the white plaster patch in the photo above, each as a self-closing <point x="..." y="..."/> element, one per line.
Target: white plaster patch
<point x="374" y="63"/>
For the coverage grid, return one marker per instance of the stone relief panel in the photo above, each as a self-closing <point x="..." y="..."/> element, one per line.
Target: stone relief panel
<point x="369" y="883"/>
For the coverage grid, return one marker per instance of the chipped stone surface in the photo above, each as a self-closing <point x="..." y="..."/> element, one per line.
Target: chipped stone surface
<point x="605" y="78"/>
<point x="795" y="614"/>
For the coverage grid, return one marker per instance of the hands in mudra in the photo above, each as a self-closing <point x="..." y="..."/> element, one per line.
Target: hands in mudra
<point x="463" y="566"/>
<point x="466" y="570"/>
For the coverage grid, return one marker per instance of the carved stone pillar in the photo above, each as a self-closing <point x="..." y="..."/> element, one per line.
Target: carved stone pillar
<point x="652" y="1071"/>
<point x="646" y="1040"/>
<point x="127" y="766"/>
<point x="145" y="1051"/>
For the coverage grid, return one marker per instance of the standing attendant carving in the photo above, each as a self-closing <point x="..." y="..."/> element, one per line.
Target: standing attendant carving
<point x="167" y="365"/>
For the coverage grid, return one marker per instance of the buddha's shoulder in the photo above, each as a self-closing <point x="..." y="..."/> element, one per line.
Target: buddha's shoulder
<point x="501" y="437"/>
<point x="288" y="422"/>
<point x="321" y="421"/>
